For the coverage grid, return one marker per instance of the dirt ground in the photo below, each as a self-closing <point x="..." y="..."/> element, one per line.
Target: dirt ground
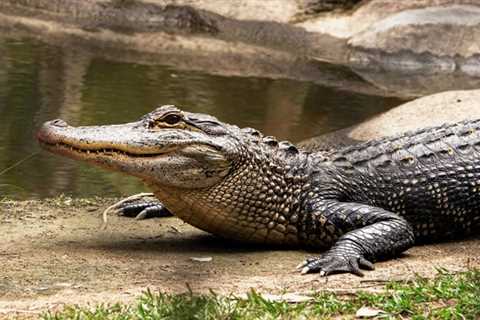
<point x="54" y="252"/>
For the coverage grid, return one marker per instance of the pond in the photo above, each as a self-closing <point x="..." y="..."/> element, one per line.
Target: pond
<point x="40" y="81"/>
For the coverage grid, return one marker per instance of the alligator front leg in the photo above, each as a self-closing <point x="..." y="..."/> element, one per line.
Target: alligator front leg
<point x="364" y="235"/>
<point x="139" y="206"/>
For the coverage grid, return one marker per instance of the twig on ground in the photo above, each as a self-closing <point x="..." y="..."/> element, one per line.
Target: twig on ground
<point x="128" y="199"/>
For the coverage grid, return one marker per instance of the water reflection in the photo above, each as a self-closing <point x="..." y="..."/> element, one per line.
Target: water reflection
<point x="39" y="82"/>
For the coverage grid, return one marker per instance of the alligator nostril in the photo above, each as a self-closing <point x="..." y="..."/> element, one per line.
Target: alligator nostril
<point x="59" y="123"/>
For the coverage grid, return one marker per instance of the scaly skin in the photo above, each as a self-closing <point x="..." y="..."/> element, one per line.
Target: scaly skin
<point x="362" y="203"/>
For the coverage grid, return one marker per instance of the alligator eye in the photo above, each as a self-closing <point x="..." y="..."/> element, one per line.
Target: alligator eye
<point x="172" y="119"/>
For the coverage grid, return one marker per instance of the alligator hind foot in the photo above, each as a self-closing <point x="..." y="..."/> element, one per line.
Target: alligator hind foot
<point x="330" y="263"/>
<point x="140" y="206"/>
<point x="366" y="234"/>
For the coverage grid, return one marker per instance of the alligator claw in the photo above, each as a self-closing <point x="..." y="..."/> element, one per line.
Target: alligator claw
<point x="302" y="265"/>
<point x="140" y="206"/>
<point x="148" y="210"/>
<point x="142" y="210"/>
<point x="330" y="264"/>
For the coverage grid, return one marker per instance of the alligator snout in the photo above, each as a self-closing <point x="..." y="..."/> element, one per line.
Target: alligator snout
<point x="46" y="133"/>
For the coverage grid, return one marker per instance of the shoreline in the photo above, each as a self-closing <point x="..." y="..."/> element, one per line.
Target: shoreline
<point x="280" y="45"/>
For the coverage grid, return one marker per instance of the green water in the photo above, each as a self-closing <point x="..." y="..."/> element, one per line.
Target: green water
<point x="39" y="82"/>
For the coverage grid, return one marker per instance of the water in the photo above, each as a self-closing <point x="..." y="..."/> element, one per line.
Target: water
<point x="39" y="82"/>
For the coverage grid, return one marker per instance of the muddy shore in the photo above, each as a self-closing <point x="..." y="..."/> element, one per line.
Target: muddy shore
<point x="54" y="252"/>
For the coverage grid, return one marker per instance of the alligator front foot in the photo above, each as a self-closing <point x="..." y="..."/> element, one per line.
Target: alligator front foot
<point x="139" y="206"/>
<point x="143" y="210"/>
<point x="331" y="263"/>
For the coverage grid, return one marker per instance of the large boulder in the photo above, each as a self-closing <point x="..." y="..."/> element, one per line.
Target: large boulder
<point x="419" y="35"/>
<point x="433" y="110"/>
<point x="445" y="38"/>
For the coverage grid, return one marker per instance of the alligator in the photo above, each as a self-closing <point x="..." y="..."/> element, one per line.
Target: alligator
<point x="359" y="204"/>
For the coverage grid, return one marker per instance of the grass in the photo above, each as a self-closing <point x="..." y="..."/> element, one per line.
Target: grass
<point x="447" y="296"/>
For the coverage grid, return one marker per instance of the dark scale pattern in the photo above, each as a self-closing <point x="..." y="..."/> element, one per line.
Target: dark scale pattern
<point x="375" y="200"/>
<point x="431" y="178"/>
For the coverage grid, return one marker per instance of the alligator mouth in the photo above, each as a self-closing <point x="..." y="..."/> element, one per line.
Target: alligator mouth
<point x="62" y="147"/>
<point x="83" y="143"/>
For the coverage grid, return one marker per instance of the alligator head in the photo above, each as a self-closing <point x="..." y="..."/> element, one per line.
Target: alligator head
<point x="167" y="147"/>
<point x="212" y="175"/>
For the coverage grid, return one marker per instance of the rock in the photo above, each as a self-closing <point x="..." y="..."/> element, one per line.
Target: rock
<point x="201" y="259"/>
<point x="271" y="10"/>
<point x="346" y="24"/>
<point x="367" y="312"/>
<point x="432" y="39"/>
<point x="413" y="36"/>
<point x="413" y="84"/>
<point x="433" y="110"/>
<point x="421" y="38"/>
<point x="290" y="297"/>
<point x="425" y="30"/>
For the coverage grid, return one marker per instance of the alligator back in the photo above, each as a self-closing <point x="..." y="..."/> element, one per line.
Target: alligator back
<point x="430" y="176"/>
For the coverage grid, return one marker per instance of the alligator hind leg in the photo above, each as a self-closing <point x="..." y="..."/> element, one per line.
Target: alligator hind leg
<point x="364" y="235"/>
<point x="139" y="206"/>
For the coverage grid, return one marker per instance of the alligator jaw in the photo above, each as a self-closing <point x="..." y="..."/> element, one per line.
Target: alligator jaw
<point x="57" y="137"/>
<point x="78" y="152"/>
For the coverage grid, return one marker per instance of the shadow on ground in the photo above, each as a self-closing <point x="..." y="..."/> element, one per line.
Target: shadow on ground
<point x="55" y="252"/>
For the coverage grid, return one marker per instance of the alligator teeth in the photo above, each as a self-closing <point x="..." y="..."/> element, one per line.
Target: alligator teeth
<point x="104" y="151"/>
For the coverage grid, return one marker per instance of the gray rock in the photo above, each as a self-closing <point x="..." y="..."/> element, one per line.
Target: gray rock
<point x="422" y="38"/>
<point x="432" y="39"/>
<point x="433" y="110"/>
